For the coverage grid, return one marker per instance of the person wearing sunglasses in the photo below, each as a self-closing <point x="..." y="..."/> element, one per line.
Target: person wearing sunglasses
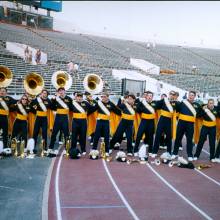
<point x="20" y="127"/>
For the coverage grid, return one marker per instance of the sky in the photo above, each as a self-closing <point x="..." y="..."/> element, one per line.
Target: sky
<point x="189" y="23"/>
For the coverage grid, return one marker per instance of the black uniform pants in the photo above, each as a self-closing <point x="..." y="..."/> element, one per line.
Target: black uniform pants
<point x="163" y="126"/>
<point x="211" y="133"/>
<point x="40" y="123"/>
<point x="4" y="127"/>
<point x="102" y="129"/>
<point x="127" y="127"/>
<point x="61" y="123"/>
<point x="19" y="130"/>
<point x="79" y="129"/>
<point x="146" y="127"/>
<point x="187" y="128"/>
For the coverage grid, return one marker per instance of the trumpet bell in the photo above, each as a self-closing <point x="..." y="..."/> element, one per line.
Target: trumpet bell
<point x="93" y="83"/>
<point x="5" y="76"/>
<point x="33" y="83"/>
<point x="62" y="79"/>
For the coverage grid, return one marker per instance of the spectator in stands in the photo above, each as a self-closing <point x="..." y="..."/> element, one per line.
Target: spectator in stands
<point x="26" y="54"/>
<point x="30" y="57"/>
<point x="185" y="96"/>
<point x="73" y="69"/>
<point x="38" y="56"/>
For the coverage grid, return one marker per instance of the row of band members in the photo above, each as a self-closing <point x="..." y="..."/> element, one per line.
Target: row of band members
<point x="170" y="110"/>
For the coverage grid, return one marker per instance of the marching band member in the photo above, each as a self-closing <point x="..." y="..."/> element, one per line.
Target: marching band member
<point x="126" y="124"/>
<point x="40" y="106"/>
<point x="147" y="124"/>
<point x="165" y="122"/>
<point x="62" y="104"/>
<point x="79" y="122"/>
<point x="188" y="110"/>
<point x="209" y="114"/>
<point x="20" y="127"/>
<point x="5" y="103"/>
<point x="104" y="107"/>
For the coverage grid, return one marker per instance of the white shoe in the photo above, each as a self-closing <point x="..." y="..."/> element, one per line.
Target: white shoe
<point x="117" y="145"/>
<point x="133" y="144"/>
<point x="190" y="159"/>
<point x="110" y="151"/>
<point x="213" y="160"/>
<point x="91" y="143"/>
<point x="79" y="155"/>
<point x="195" y="158"/>
<point x="153" y="155"/>
<point x="77" y="143"/>
<point x="107" y="154"/>
<point x="84" y="153"/>
<point x="173" y="157"/>
<point x="150" y="154"/>
<point x="181" y="148"/>
<point x="135" y="154"/>
<point x="60" y="142"/>
<point x="129" y="154"/>
<point x="217" y="160"/>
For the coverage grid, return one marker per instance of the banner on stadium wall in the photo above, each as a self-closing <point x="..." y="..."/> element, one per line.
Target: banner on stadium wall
<point x="146" y="66"/>
<point x="19" y="49"/>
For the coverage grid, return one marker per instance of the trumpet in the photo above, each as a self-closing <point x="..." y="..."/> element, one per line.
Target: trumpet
<point x="172" y="163"/>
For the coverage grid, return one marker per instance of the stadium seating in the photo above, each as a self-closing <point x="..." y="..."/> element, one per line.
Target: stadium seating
<point x="100" y="55"/>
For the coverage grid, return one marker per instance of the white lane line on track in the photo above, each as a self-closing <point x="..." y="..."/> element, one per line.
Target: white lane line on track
<point x="208" y="177"/>
<point x="205" y="151"/>
<point x="57" y="193"/>
<point x="93" y="207"/>
<point x="119" y="192"/>
<point x="179" y="194"/>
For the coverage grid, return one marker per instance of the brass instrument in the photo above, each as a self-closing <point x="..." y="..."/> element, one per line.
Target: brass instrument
<point x="22" y="144"/>
<point x="68" y="147"/>
<point x="14" y="147"/>
<point x="203" y="166"/>
<point x="33" y="83"/>
<point x="93" y="83"/>
<point x="42" y="147"/>
<point x="61" y="79"/>
<point x="102" y="149"/>
<point x="5" y="76"/>
<point x="172" y="163"/>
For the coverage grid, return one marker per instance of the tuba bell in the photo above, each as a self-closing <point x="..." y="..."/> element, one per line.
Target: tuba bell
<point x="93" y="83"/>
<point x="5" y="76"/>
<point x="62" y="79"/>
<point x="33" y="83"/>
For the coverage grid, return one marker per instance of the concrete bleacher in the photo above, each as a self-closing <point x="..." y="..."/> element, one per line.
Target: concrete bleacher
<point x="100" y="55"/>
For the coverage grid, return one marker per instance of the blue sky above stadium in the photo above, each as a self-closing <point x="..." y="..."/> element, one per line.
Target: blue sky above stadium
<point x="191" y="23"/>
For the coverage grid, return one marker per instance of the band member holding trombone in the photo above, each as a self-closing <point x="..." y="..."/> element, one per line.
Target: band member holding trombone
<point x="40" y="106"/>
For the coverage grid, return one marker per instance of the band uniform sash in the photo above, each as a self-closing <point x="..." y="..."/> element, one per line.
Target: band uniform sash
<point x="103" y="116"/>
<point x="4" y="112"/>
<point x="21" y="117"/>
<point x="80" y="115"/>
<point x="209" y="123"/>
<point x="62" y="111"/>
<point x="127" y="116"/>
<point x="166" y="114"/>
<point x="41" y="113"/>
<point x="187" y="118"/>
<point x="148" y="116"/>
